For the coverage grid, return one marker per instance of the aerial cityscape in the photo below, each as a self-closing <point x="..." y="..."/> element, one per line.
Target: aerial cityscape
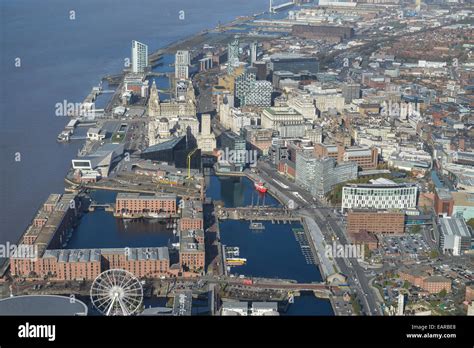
<point x="279" y="158"/>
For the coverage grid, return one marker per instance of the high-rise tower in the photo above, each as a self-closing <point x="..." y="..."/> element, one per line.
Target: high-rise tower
<point x="139" y="57"/>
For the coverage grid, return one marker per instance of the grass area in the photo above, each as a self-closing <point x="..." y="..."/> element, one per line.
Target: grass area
<point x="118" y="137"/>
<point x="379" y="288"/>
<point x="356" y="305"/>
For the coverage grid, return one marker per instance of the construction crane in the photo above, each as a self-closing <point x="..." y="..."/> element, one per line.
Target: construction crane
<point x="189" y="162"/>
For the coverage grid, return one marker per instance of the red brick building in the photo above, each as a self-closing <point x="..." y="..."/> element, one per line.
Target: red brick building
<point x="391" y="222"/>
<point x="135" y="203"/>
<point x="365" y="157"/>
<point x="422" y="277"/>
<point x="80" y="264"/>
<point x="443" y="202"/>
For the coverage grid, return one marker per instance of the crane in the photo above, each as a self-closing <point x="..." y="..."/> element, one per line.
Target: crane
<point x="189" y="162"/>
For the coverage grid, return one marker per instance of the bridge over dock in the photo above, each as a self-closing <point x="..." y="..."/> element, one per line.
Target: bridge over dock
<point x="101" y="206"/>
<point x="257" y="213"/>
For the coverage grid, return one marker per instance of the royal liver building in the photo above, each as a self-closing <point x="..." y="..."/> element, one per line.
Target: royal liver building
<point x="172" y="118"/>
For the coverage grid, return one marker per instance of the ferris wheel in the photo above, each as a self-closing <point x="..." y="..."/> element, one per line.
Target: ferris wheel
<point x="116" y="292"/>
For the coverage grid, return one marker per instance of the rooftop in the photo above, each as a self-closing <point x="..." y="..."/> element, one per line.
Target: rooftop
<point x="133" y="195"/>
<point x="453" y="226"/>
<point x="42" y="305"/>
<point x="93" y="255"/>
<point x="167" y="145"/>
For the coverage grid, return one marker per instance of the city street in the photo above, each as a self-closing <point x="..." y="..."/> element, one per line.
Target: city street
<point x="327" y="220"/>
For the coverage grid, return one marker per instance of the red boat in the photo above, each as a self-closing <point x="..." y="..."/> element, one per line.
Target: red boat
<point x="259" y="186"/>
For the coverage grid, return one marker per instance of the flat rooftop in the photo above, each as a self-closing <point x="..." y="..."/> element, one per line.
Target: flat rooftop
<point x="127" y="195"/>
<point x="452" y="226"/>
<point x="93" y="255"/>
<point x="37" y="305"/>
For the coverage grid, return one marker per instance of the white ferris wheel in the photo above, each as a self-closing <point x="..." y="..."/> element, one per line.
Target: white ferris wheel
<point x="116" y="292"/>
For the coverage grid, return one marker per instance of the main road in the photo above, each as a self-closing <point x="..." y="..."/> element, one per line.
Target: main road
<point x="330" y="224"/>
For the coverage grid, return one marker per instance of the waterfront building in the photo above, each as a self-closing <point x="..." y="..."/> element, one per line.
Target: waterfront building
<point x="87" y="264"/>
<point x="136" y="84"/>
<point x="192" y="217"/>
<point x="100" y="161"/>
<point x="233" y="151"/>
<point x="264" y="309"/>
<point x="373" y="221"/>
<point x="235" y="308"/>
<point x="174" y="117"/>
<point x="319" y="176"/>
<point x="185" y="106"/>
<point x="139" y="57"/>
<point x="136" y="203"/>
<point x="278" y="152"/>
<point x="192" y="251"/>
<point x="174" y="151"/>
<point x="380" y="194"/>
<point x="95" y="134"/>
<point x="454" y="236"/>
<point x="52" y="223"/>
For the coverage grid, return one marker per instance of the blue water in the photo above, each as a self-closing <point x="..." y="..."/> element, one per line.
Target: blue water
<point x="100" y="229"/>
<point x="62" y="60"/>
<point x="307" y="304"/>
<point x="273" y="252"/>
<point x="236" y="192"/>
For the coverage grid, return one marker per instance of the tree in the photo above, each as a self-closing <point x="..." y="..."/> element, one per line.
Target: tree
<point x="470" y="222"/>
<point x="443" y="293"/>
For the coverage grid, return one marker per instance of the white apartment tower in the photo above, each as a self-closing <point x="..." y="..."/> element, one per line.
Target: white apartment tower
<point x="139" y="57"/>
